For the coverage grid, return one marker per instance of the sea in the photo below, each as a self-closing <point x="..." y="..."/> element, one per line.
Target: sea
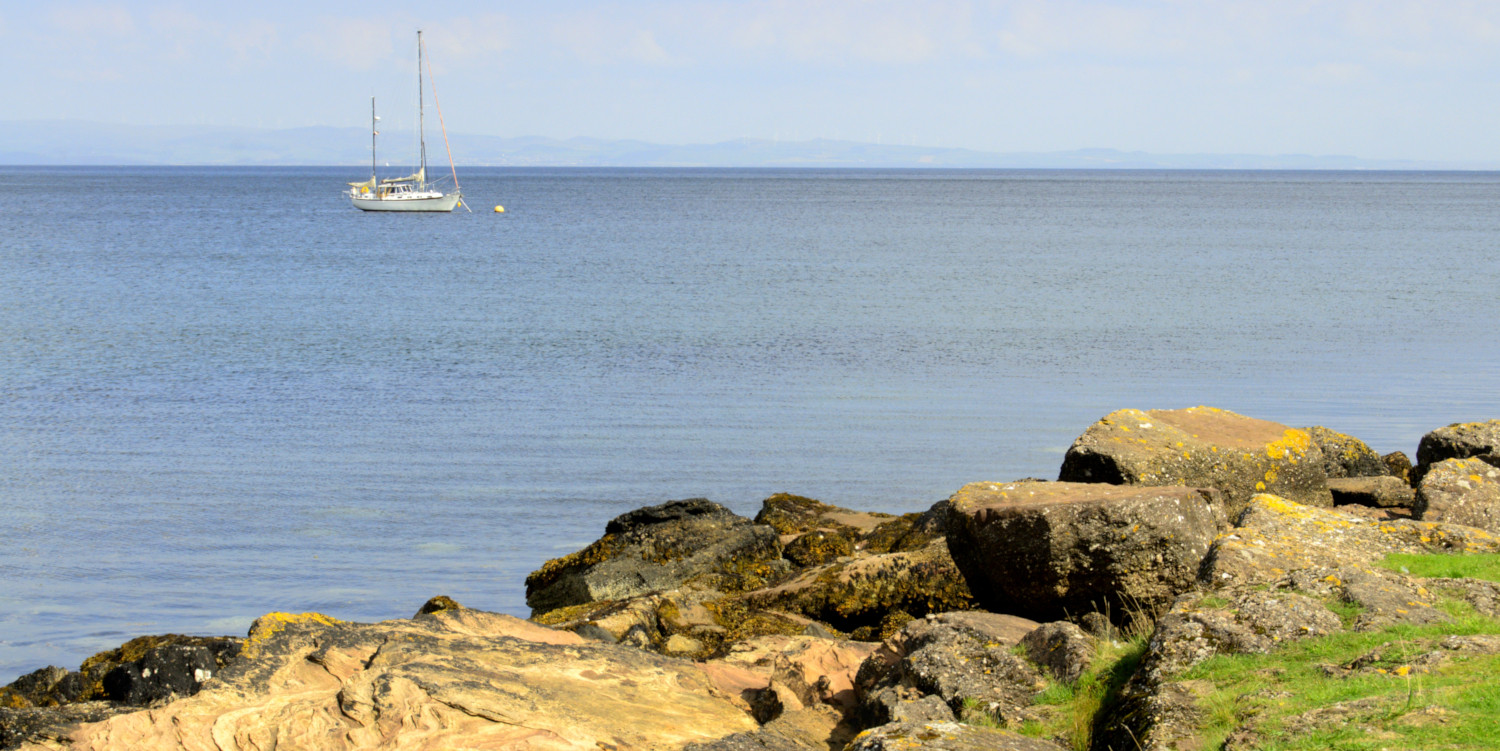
<point x="226" y="392"/>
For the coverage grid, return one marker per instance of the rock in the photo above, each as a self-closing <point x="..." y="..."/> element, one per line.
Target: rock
<point x="50" y="727"/>
<point x="799" y="730"/>
<point x="1398" y="465"/>
<point x="682" y="646"/>
<point x="1200" y="447"/>
<point x="817" y="671"/>
<point x="1345" y="455"/>
<point x="164" y="672"/>
<point x="868" y="594"/>
<point x="965" y="668"/>
<point x="1480" y="440"/>
<point x="908" y="532"/>
<point x="1275" y="536"/>
<point x="1460" y="491"/>
<point x="661" y="548"/>
<point x="946" y="736"/>
<point x="793" y="515"/>
<point x="1379" y="492"/>
<point x="1051" y="550"/>
<point x="1062" y="648"/>
<point x="437" y="605"/>
<point x="817" y="547"/>
<point x="453" y="679"/>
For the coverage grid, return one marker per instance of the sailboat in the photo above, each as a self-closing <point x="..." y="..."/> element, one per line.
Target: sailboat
<point x="412" y="192"/>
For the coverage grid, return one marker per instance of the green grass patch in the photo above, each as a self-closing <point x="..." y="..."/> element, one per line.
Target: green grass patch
<point x="1446" y="566"/>
<point x="1075" y="708"/>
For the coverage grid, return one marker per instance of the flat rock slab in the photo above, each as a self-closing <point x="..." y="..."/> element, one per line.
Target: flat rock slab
<point x="457" y="679"/>
<point x="1460" y="491"/>
<point x="1274" y="537"/>
<point x="1200" y="447"/>
<point x="1047" y="550"/>
<point x="1376" y="492"/>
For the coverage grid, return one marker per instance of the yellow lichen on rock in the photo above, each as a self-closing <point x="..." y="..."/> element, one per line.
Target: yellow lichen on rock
<point x="271" y="624"/>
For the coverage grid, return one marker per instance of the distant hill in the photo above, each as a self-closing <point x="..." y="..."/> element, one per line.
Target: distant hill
<point x="72" y="142"/>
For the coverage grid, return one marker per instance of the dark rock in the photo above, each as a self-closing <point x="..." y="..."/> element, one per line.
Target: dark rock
<point x="945" y="736"/>
<point x="1398" y="465"/>
<point x="50" y="725"/>
<point x="1378" y="492"/>
<point x="793" y="515"/>
<point x="1053" y="550"/>
<point x="1345" y="455"/>
<point x="1200" y="447"/>
<point x="818" y="547"/>
<point x="1480" y="440"/>
<point x="868" y="594"/>
<point x="1460" y="491"/>
<point x="661" y="548"/>
<point x="962" y="667"/>
<point x="437" y="605"/>
<point x="908" y="531"/>
<point x="164" y="672"/>
<point x="1062" y="648"/>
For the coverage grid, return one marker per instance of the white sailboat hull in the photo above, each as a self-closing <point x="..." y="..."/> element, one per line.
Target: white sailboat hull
<point x="438" y="202"/>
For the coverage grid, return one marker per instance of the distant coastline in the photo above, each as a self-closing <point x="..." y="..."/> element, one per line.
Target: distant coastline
<point x="71" y="142"/>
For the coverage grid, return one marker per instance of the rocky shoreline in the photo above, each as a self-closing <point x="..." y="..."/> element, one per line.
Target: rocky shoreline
<point x="685" y="626"/>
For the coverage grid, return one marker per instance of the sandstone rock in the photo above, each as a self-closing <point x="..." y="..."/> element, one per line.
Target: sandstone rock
<point x="1052" y="550"/>
<point x="1062" y="648"/>
<point x="799" y="730"/>
<point x="1460" y="491"/>
<point x="1275" y="536"/>
<point x="1398" y="465"/>
<point x="868" y="593"/>
<point x="1480" y="440"/>
<point x="946" y="736"/>
<point x="454" y="679"/>
<point x="1200" y="447"/>
<point x="49" y="727"/>
<point x="1379" y="492"/>
<point x="1345" y="455"/>
<point x="660" y="548"/>
<point x="817" y="671"/>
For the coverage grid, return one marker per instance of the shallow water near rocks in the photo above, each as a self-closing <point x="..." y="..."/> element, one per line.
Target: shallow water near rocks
<point x="225" y="392"/>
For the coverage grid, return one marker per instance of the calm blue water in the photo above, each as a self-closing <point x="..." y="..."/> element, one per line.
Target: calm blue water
<point x="225" y="392"/>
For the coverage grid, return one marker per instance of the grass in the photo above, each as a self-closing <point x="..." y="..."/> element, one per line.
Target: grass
<point x="1365" y="690"/>
<point x="1470" y="566"/>
<point x="1077" y="707"/>
<point x="1351" y="690"/>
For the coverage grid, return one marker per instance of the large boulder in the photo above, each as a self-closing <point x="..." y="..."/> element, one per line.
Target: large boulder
<point x="1460" y="491"/>
<point x="1346" y="456"/>
<point x="1275" y="536"/>
<point x="1050" y="550"/>
<point x="453" y="679"/>
<point x="1480" y="440"/>
<point x="1200" y="447"/>
<point x="660" y="548"/>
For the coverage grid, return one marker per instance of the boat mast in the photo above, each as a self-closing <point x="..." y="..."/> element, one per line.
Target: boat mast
<point x="374" y="131"/>
<point x="421" y="133"/>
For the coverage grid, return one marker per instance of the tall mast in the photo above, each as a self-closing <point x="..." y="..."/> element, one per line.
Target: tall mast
<point x="421" y="132"/>
<point x="374" y="131"/>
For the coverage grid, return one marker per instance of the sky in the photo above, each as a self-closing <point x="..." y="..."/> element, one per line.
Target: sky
<point x="1377" y="79"/>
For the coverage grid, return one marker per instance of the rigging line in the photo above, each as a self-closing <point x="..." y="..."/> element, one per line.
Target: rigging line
<point x="444" y="127"/>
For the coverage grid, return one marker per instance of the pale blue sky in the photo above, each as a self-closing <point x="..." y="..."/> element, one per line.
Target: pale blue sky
<point x="1370" y="78"/>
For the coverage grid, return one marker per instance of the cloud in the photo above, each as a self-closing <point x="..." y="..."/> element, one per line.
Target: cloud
<point x="85" y="22"/>
<point x="353" y="43"/>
